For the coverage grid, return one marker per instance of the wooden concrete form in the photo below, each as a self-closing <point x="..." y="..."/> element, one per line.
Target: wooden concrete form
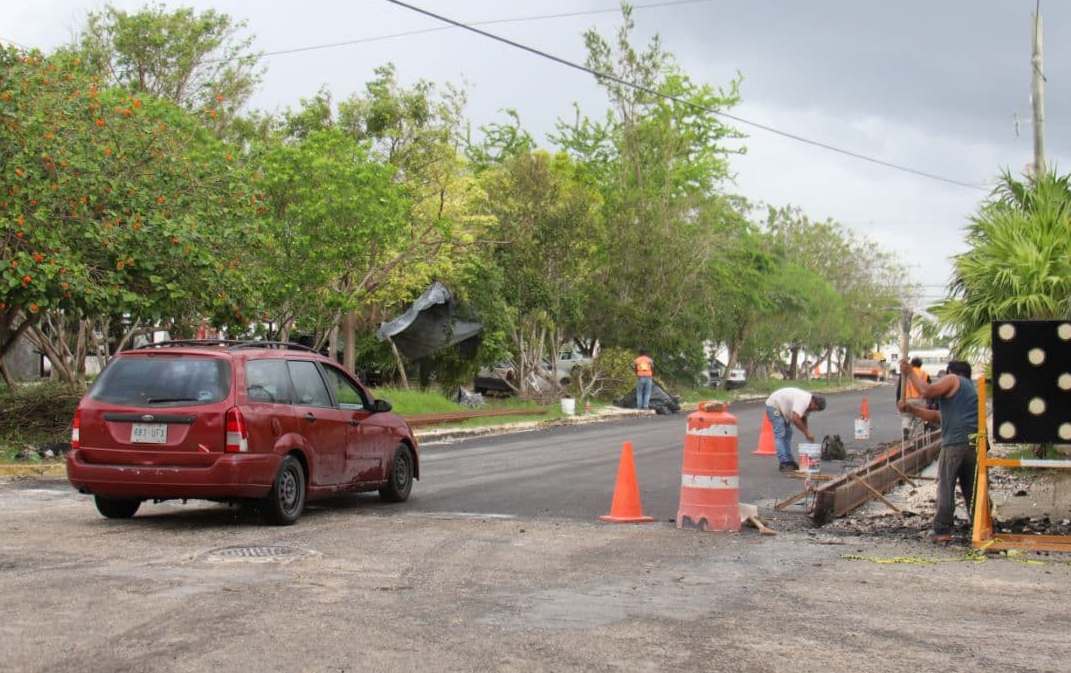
<point x="422" y="420"/>
<point x="845" y="493"/>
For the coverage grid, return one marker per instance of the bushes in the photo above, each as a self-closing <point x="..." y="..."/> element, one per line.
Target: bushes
<point x="37" y="413"/>
<point x="614" y="371"/>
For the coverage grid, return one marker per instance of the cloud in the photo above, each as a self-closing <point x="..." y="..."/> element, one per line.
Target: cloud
<point x="929" y="85"/>
<point x="920" y="220"/>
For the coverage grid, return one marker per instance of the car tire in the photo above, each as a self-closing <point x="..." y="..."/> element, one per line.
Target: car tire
<point x="116" y="508"/>
<point x="400" y="478"/>
<point x="286" y="500"/>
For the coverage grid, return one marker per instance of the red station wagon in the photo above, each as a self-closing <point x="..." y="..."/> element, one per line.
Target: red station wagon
<point x="234" y="421"/>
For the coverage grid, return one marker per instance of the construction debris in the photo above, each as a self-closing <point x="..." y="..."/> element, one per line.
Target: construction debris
<point x="892" y="465"/>
<point x="749" y="514"/>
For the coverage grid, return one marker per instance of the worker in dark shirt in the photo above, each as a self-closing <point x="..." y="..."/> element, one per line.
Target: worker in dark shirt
<point x="957" y="413"/>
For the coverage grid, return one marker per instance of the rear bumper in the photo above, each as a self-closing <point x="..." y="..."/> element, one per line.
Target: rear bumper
<point x="229" y="476"/>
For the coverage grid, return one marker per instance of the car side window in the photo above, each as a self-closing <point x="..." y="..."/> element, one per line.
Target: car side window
<point x="309" y="388"/>
<point x="267" y="381"/>
<point x="348" y="395"/>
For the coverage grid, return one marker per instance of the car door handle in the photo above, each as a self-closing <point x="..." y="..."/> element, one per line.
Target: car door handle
<point x="309" y="417"/>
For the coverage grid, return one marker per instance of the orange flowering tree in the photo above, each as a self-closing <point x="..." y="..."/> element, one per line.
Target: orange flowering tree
<point x="111" y="204"/>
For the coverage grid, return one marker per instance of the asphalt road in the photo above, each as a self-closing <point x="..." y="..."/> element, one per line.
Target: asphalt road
<point x="360" y="585"/>
<point x="569" y="472"/>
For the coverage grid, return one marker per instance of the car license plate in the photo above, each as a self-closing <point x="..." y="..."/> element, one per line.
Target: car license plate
<point x="149" y="433"/>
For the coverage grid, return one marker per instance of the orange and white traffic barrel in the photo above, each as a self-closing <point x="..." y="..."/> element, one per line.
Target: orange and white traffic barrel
<point x="710" y="477"/>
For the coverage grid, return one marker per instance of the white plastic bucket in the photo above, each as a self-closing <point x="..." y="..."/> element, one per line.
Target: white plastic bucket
<point x="862" y="428"/>
<point x="811" y="458"/>
<point x="568" y="406"/>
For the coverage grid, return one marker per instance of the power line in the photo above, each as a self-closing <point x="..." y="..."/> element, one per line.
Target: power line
<point x="639" y="87"/>
<point x="436" y="29"/>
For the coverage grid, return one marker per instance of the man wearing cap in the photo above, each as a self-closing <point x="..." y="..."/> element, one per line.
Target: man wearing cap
<point x="788" y="407"/>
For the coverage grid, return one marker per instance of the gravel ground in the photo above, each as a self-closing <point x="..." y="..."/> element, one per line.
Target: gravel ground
<point x="368" y="588"/>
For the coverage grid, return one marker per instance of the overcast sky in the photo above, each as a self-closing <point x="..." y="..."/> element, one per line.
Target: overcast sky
<point x="935" y="86"/>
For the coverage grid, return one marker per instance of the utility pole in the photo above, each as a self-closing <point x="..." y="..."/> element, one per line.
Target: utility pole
<point x="905" y="344"/>
<point x="1037" y="95"/>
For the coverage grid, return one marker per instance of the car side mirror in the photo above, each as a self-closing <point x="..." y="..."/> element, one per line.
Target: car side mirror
<point x="381" y="406"/>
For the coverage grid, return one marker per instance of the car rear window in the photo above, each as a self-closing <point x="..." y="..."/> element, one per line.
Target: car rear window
<point x="153" y="381"/>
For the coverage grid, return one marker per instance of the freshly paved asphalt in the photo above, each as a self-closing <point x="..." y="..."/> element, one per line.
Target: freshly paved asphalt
<point x="569" y="472"/>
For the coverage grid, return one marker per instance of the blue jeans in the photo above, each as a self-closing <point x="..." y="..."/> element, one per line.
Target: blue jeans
<point x="782" y="432"/>
<point x="644" y="384"/>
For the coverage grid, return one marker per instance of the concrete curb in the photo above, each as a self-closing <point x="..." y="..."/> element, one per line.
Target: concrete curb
<point x="431" y="436"/>
<point x="33" y="470"/>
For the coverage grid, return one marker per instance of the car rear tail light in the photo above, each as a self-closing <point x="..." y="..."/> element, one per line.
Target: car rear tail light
<point x="237" y="432"/>
<point x="76" y="424"/>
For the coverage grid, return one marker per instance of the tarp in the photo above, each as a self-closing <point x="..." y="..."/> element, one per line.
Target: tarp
<point x="429" y="325"/>
<point x="661" y="401"/>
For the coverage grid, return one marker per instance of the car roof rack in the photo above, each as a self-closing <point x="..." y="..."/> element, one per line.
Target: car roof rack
<point x="230" y="344"/>
<point x="281" y="345"/>
<point x="179" y="343"/>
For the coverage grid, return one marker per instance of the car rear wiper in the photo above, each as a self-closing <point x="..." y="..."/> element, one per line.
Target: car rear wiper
<point x="161" y="400"/>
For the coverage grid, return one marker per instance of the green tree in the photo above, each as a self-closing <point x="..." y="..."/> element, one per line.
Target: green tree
<point x="547" y="224"/>
<point x="335" y="219"/>
<point x="1018" y="262"/>
<point x="419" y="131"/>
<point x="110" y="204"/>
<point x="656" y="161"/>
<point x="201" y="61"/>
<point x="871" y="284"/>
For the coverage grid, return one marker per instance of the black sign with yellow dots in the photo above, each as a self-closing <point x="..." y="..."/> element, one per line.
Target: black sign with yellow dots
<point x="1032" y="382"/>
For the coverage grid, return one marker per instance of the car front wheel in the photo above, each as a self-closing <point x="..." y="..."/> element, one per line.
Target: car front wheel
<point x="400" y="479"/>
<point x="116" y="508"/>
<point x="286" y="500"/>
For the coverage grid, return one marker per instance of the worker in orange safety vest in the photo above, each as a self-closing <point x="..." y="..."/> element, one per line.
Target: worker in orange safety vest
<point x="910" y="424"/>
<point x="644" y="367"/>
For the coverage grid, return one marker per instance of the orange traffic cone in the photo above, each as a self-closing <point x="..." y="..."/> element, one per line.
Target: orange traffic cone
<point x="626" y="507"/>
<point x="864" y="409"/>
<point x="766" y="439"/>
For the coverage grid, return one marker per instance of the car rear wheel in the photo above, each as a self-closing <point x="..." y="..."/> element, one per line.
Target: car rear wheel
<point x="286" y="500"/>
<point x="116" y="508"/>
<point x="400" y="478"/>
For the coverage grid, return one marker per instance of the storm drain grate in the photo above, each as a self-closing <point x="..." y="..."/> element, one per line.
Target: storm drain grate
<point x="257" y="553"/>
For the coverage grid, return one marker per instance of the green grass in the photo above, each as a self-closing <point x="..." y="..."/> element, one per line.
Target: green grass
<point x="1027" y="453"/>
<point x="760" y="387"/>
<point x="412" y="402"/>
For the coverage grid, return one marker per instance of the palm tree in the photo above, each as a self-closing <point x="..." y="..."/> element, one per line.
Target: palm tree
<point x="1018" y="266"/>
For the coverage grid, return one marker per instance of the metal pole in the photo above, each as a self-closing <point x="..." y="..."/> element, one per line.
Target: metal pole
<point x="905" y="345"/>
<point x="1037" y="96"/>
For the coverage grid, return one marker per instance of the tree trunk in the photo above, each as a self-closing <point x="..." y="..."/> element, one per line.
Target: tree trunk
<point x="44" y="344"/>
<point x="349" y="339"/>
<point x="794" y="362"/>
<point x="82" y="347"/>
<point x="332" y="342"/>
<point x="6" y="375"/>
<point x="400" y="363"/>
